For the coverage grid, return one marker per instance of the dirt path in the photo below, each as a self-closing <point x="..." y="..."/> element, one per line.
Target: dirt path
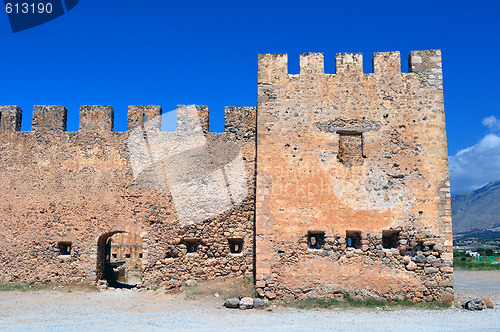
<point x="477" y="283"/>
<point x="130" y="310"/>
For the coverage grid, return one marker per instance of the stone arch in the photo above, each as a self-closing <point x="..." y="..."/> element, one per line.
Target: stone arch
<point x="101" y="254"/>
<point x="102" y="249"/>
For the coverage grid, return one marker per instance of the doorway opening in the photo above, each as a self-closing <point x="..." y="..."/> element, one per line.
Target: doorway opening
<point x="119" y="259"/>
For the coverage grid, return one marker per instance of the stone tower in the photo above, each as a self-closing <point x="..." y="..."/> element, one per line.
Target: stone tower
<point x="352" y="179"/>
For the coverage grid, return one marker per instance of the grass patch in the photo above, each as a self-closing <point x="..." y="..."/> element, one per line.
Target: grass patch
<point x="14" y="286"/>
<point x="351" y="303"/>
<point x="192" y="292"/>
<point x="474" y="265"/>
<point x="249" y="286"/>
<point x="28" y="287"/>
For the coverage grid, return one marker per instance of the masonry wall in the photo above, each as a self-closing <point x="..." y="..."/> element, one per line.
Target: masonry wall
<point x="352" y="153"/>
<point x="352" y="191"/>
<point x="126" y="247"/>
<point x="82" y="187"/>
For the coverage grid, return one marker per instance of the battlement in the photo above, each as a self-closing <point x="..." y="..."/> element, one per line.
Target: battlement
<point x="10" y="118"/>
<point x="346" y="63"/>
<point x="146" y="116"/>
<point x="99" y="119"/>
<point x="426" y="64"/>
<point x="49" y="118"/>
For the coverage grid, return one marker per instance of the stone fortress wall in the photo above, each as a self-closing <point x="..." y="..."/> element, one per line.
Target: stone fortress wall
<point x="77" y="189"/>
<point x="334" y="183"/>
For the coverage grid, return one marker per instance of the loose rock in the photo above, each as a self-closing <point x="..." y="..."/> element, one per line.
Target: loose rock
<point x="232" y="303"/>
<point x="246" y="303"/>
<point x="258" y="303"/>
<point x="489" y="304"/>
<point x="474" y="304"/>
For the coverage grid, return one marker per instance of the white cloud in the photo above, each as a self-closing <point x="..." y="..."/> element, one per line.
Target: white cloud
<point x="476" y="166"/>
<point x="492" y="123"/>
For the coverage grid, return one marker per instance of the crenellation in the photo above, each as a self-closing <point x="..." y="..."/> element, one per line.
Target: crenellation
<point x="100" y="118"/>
<point x="10" y="118"/>
<point x="49" y="118"/>
<point x="348" y="63"/>
<point x="427" y="65"/>
<point x="203" y="113"/>
<point x="96" y="119"/>
<point x="192" y="119"/>
<point x="386" y="64"/>
<point x="145" y="116"/>
<point x="312" y="64"/>
<point x="272" y="68"/>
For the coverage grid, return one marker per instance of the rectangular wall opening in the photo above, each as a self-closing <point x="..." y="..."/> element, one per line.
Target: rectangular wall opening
<point x="390" y="239"/>
<point x="315" y="239"/>
<point x="235" y="245"/>
<point x="353" y="239"/>
<point x="350" y="148"/>
<point x="64" y="248"/>
<point x="191" y="245"/>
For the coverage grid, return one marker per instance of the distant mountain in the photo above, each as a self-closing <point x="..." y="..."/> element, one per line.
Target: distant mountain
<point x="477" y="212"/>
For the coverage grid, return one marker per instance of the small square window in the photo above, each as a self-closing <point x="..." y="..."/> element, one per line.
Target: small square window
<point x="315" y="239"/>
<point x="64" y="248"/>
<point x="353" y="239"/>
<point x="235" y="245"/>
<point x="114" y="255"/>
<point x="192" y="245"/>
<point x="351" y="148"/>
<point x="127" y="255"/>
<point x="390" y="239"/>
<point x="140" y="255"/>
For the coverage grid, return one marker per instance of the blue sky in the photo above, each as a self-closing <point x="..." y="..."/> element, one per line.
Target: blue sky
<point x="126" y="52"/>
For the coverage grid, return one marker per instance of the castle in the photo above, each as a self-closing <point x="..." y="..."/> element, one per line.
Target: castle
<point x="334" y="183"/>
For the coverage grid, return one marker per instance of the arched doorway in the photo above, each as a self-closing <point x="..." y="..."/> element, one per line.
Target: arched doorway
<point x="119" y="259"/>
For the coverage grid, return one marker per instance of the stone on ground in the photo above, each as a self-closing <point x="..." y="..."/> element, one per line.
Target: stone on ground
<point x="474" y="304"/>
<point x="232" y="303"/>
<point x="489" y="304"/>
<point x="258" y="303"/>
<point x="246" y="303"/>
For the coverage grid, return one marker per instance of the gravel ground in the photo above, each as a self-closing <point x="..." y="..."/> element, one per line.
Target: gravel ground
<point x="131" y="310"/>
